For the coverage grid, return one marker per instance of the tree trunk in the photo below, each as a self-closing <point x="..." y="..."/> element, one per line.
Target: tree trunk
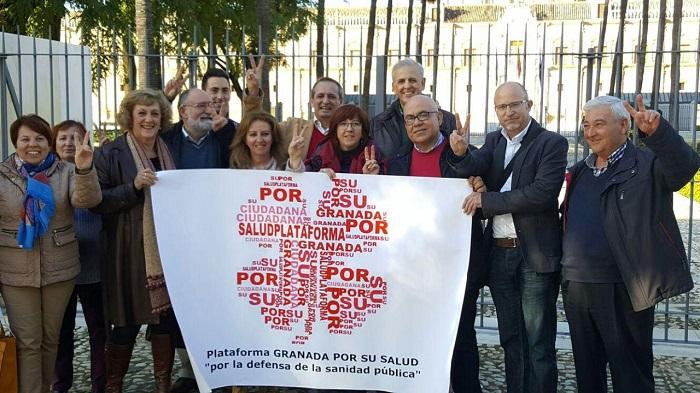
<point x="369" y="49"/>
<point x="263" y="13"/>
<point x="659" y="58"/>
<point x="385" y="58"/>
<point x="673" y="106"/>
<point x="320" y="25"/>
<point x="409" y="24"/>
<point x="616" y="74"/>
<point x="147" y="62"/>
<point x="436" y="50"/>
<point x="601" y="42"/>
<point x="642" y="47"/>
<point x="421" y="30"/>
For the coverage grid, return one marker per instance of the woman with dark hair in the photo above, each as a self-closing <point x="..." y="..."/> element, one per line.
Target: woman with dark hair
<point x="87" y="285"/>
<point x="346" y="149"/>
<point x="257" y="143"/>
<point x="38" y="249"/>
<point x="133" y="279"/>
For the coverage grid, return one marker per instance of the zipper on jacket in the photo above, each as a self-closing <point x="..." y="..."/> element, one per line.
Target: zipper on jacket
<point x="673" y="246"/>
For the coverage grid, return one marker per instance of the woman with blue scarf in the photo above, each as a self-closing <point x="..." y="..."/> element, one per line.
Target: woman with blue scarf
<point x="38" y="248"/>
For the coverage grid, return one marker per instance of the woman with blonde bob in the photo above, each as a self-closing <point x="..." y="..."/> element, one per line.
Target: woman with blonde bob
<point x="133" y="279"/>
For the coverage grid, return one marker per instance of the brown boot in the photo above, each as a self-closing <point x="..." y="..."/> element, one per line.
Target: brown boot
<point x="117" y="359"/>
<point x="163" y="358"/>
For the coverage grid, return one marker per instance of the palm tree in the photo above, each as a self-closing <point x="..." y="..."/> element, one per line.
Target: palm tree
<point x="320" y="24"/>
<point x="148" y="68"/>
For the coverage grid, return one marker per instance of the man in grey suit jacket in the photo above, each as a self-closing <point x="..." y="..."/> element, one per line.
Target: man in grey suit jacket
<point x="523" y="166"/>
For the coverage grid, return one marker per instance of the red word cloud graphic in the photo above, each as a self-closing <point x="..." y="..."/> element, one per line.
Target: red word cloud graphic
<point x="308" y="274"/>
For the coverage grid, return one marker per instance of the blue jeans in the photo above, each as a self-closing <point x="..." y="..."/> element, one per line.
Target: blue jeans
<point x="527" y="321"/>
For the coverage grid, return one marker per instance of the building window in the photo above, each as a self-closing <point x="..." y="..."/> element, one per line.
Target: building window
<point x="354" y="58"/>
<point x="469" y="53"/>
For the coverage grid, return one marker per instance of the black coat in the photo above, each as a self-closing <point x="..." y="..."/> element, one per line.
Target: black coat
<point x="389" y="132"/>
<point x="638" y="218"/>
<point x="538" y="173"/>
<point x="174" y="139"/>
<point x="127" y="300"/>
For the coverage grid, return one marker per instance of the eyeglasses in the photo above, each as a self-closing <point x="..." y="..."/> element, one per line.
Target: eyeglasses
<point x="422" y="116"/>
<point x="347" y="124"/>
<point x="201" y="105"/>
<point x="512" y="106"/>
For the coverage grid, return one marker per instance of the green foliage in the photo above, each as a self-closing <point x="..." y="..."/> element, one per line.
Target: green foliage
<point x="685" y="191"/>
<point x="107" y="26"/>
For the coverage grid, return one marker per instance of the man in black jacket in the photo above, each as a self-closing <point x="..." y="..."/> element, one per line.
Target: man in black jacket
<point x="523" y="166"/>
<point x="430" y="153"/>
<point x="387" y="128"/>
<point x="623" y="251"/>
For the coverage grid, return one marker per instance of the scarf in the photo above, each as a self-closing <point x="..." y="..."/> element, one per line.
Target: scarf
<point x="155" y="280"/>
<point x="38" y="207"/>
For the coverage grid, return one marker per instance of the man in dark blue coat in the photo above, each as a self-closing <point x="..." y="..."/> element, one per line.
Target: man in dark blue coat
<point x="623" y="251"/>
<point x="523" y="166"/>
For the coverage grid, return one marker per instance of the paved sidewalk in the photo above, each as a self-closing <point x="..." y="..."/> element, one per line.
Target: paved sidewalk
<point x="676" y="371"/>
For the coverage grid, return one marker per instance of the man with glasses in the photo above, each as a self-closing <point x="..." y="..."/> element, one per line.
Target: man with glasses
<point x="387" y="128"/>
<point x="523" y="167"/>
<point x="191" y="141"/>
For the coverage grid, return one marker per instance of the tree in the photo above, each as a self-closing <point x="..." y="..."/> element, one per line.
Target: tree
<point x="601" y="42"/>
<point x="616" y="74"/>
<point x="409" y="22"/>
<point x="658" y="59"/>
<point x="421" y="30"/>
<point x="263" y="12"/>
<point x="675" y="63"/>
<point x="642" y="47"/>
<point x="148" y="61"/>
<point x="369" y="49"/>
<point x="385" y="58"/>
<point x="320" y="25"/>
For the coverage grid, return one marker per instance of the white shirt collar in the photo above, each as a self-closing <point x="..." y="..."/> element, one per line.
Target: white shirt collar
<point x="520" y="136"/>
<point x="320" y="127"/>
<point x="188" y="136"/>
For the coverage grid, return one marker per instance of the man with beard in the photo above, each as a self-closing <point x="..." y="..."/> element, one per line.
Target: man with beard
<point x="191" y="141"/>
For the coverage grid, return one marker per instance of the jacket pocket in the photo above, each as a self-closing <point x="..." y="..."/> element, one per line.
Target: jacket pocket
<point x="8" y="238"/>
<point x="666" y="235"/>
<point x="63" y="235"/>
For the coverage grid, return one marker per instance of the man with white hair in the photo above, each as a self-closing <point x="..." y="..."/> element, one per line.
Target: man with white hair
<point x="622" y="249"/>
<point x="387" y="128"/>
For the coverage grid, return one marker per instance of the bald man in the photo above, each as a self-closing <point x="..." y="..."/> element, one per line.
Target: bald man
<point x="523" y="166"/>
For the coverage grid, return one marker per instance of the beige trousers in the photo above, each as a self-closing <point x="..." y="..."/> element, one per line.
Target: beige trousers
<point x="35" y="316"/>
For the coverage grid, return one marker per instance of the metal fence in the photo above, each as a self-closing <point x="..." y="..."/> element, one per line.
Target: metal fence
<point x="556" y="62"/>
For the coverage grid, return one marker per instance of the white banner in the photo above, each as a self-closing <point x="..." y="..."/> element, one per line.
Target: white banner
<point x="281" y="279"/>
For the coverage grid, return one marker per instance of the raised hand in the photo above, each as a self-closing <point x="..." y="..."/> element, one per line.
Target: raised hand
<point x="253" y="75"/>
<point x="220" y="118"/>
<point x="173" y="87"/>
<point x="371" y="166"/>
<point x="296" y="150"/>
<point x="459" y="138"/>
<point x="83" y="154"/>
<point x="646" y="120"/>
<point x="145" y="178"/>
<point x="102" y="136"/>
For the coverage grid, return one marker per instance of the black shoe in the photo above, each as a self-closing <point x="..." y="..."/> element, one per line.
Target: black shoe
<point x="184" y="385"/>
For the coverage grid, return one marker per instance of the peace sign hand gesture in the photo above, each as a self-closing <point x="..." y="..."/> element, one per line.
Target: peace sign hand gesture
<point x="296" y="150"/>
<point x="646" y="120"/>
<point x="83" y="154"/>
<point x="371" y="166"/>
<point x="173" y="87"/>
<point x="459" y="138"/>
<point x="253" y="75"/>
